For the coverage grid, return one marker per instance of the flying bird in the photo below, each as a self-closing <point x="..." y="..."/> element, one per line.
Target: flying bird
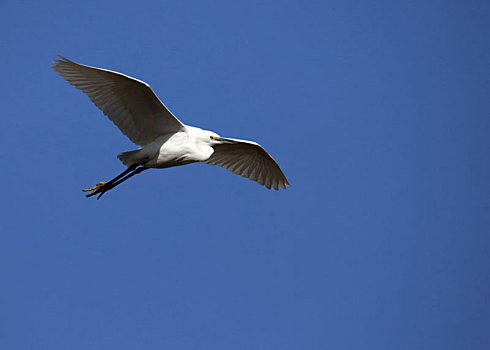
<point x="163" y="139"/>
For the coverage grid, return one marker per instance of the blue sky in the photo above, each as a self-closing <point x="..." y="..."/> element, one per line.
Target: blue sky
<point x="378" y="113"/>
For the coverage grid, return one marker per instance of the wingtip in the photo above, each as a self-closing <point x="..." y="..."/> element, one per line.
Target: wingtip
<point x="63" y="59"/>
<point x="284" y="185"/>
<point x="59" y="60"/>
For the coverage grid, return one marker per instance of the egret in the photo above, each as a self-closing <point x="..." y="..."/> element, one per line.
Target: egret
<point x="163" y="139"/>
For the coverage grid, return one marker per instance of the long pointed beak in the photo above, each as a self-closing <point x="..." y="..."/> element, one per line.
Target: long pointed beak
<point x="225" y="140"/>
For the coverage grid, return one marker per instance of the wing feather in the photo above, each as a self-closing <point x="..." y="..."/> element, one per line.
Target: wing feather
<point x="250" y="160"/>
<point x="130" y="103"/>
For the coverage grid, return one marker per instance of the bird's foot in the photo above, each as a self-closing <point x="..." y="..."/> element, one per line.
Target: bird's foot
<point x="101" y="187"/>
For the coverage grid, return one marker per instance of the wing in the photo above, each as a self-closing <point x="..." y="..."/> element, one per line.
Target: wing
<point x="249" y="159"/>
<point x="128" y="102"/>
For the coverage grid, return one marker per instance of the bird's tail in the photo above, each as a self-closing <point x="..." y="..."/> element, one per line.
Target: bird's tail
<point x="129" y="158"/>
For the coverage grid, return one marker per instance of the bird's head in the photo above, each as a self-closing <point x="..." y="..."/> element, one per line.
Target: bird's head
<point x="212" y="137"/>
<point x="215" y="139"/>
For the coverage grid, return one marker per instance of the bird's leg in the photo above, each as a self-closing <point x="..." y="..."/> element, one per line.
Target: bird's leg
<point x="97" y="188"/>
<point x="110" y="186"/>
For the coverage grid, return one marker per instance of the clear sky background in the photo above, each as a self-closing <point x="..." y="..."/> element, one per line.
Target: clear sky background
<point x="377" y="111"/>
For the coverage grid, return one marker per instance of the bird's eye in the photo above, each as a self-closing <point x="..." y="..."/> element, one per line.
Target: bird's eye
<point x="212" y="138"/>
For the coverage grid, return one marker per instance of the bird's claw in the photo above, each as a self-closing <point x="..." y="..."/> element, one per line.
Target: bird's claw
<point x="99" y="188"/>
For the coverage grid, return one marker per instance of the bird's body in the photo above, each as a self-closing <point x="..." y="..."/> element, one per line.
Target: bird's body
<point x="165" y="141"/>
<point x="173" y="149"/>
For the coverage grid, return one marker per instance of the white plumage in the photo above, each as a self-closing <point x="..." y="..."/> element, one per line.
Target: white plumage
<point x="165" y="141"/>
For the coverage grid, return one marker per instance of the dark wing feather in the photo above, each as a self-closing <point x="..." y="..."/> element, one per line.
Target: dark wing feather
<point x="250" y="160"/>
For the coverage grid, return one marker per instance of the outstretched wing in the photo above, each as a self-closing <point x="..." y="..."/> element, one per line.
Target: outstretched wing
<point x="128" y="102"/>
<point x="249" y="159"/>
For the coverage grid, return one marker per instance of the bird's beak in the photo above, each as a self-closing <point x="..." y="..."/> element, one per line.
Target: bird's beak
<point x="224" y="140"/>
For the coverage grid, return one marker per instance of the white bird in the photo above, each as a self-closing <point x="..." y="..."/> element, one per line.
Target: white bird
<point x="165" y="142"/>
